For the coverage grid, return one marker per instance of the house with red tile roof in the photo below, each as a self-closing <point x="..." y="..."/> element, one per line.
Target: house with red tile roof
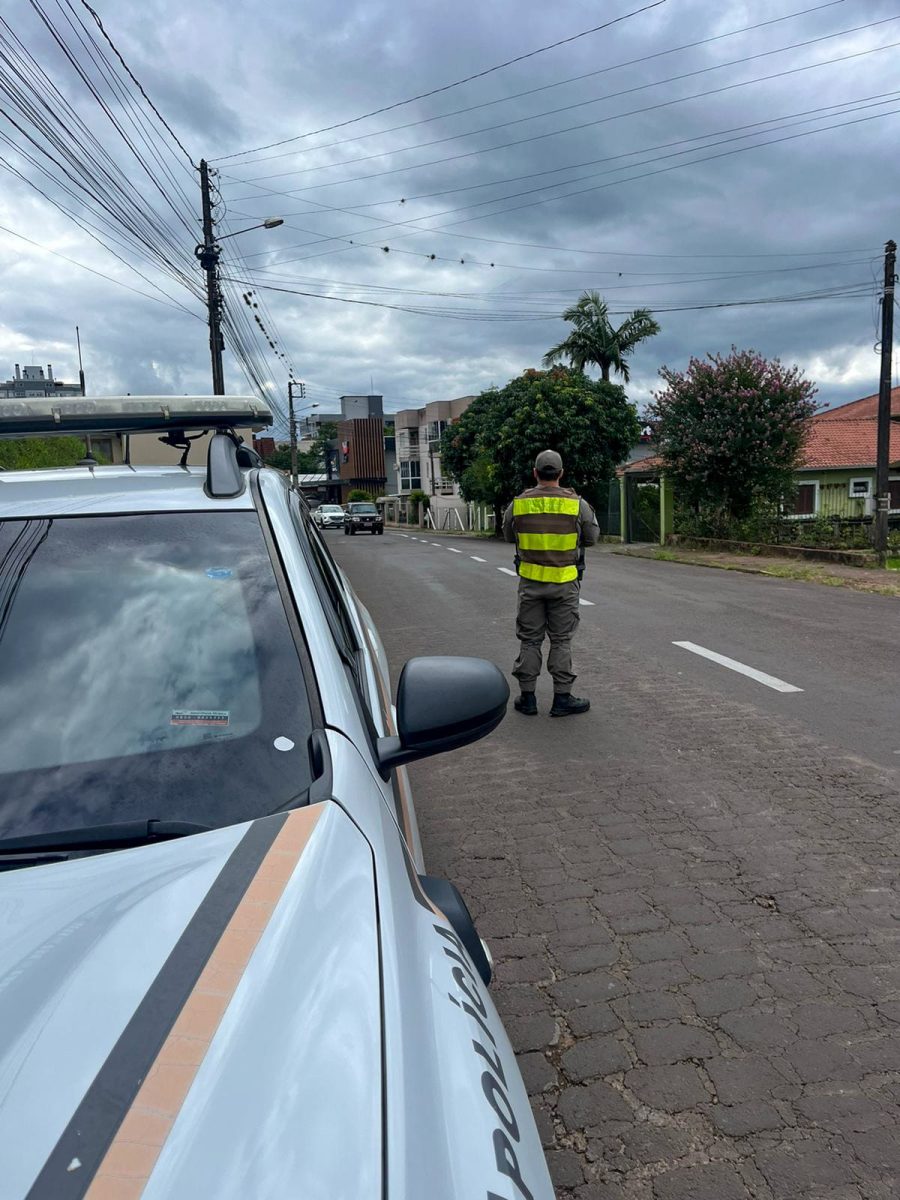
<point x="837" y="475"/>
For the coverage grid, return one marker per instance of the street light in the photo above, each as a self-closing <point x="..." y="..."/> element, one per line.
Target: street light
<point x="208" y="254"/>
<point x="268" y="223"/>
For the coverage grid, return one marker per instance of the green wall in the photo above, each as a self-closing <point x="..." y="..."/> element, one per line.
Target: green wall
<point x="834" y="491"/>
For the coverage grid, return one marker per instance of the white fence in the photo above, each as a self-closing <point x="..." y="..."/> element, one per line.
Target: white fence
<point x="468" y="518"/>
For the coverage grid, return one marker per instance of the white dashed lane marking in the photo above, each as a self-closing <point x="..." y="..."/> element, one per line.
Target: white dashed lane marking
<point x="510" y="571"/>
<point x="771" y="681"/>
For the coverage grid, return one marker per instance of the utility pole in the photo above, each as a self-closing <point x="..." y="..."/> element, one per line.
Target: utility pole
<point x="292" y="425"/>
<point x="883" y="453"/>
<point x="80" y="364"/>
<point x="208" y="254"/>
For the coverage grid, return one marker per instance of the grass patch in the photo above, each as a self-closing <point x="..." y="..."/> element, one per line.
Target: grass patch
<point x="795" y="572"/>
<point x="803" y="573"/>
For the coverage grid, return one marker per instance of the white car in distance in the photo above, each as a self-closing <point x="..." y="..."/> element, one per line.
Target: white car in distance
<point x="329" y="516"/>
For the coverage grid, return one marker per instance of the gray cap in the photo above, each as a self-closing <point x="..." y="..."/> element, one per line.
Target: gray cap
<point x="547" y="459"/>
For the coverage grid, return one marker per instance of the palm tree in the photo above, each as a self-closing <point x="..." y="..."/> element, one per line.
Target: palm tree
<point x="593" y="339"/>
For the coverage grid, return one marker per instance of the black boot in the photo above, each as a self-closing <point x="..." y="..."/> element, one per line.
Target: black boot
<point x="566" y="705"/>
<point x="526" y="703"/>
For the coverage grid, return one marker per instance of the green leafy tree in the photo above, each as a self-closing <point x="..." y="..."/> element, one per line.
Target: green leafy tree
<point x="23" y="454"/>
<point x="594" y="340"/>
<point x="358" y="495"/>
<point x="491" y="450"/>
<point x="280" y="458"/>
<point x="309" y="462"/>
<point x="731" y="431"/>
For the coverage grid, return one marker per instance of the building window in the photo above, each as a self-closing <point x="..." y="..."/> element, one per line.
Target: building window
<point x="806" y="500"/>
<point x="410" y="476"/>
<point x="435" y="430"/>
<point x="407" y="442"/>
<point x="894" y="485"/>
<point x="860" y="489"/>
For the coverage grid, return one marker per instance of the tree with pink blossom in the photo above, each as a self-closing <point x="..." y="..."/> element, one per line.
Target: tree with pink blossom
<point x="730" y="430"/>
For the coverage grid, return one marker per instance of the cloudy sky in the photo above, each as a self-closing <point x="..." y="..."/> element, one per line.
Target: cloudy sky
<point x="689" y="156"/>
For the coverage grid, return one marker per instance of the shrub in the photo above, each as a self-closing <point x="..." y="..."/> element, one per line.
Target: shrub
<point x="731" y="430"/>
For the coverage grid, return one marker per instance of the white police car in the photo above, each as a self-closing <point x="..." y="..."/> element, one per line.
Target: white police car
<point x="223" y="969"/>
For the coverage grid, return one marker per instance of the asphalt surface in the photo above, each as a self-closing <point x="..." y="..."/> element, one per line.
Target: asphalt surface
<point x="691" y="892"/>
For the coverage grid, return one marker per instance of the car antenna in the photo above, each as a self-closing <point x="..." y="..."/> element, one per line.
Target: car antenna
<point x="88" y="461"/>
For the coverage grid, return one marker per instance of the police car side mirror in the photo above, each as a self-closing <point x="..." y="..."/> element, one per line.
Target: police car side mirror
<point x="443" y="703"/>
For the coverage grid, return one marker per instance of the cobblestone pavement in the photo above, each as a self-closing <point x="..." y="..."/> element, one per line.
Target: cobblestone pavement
<point x="693" y="907"/>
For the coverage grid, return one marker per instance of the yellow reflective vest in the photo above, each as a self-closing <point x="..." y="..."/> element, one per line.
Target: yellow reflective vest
<point x="546" y="528"/>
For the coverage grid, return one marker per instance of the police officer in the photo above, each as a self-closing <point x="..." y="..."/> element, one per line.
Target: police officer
<point x="549" y="524"/>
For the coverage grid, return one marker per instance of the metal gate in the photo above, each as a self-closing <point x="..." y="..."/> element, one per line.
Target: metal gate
<point x="642" y="519"/>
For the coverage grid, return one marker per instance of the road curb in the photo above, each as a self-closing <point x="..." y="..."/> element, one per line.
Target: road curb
<point x="742" y="569"/>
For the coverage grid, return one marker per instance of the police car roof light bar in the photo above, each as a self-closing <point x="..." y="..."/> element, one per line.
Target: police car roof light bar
<point x="40" y="416"/>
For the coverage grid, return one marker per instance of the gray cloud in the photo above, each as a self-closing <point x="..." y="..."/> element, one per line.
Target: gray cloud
<point x="749" y="225"/>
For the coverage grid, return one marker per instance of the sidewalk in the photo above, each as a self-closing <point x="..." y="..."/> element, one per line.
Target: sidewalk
<point x="858" y="579"/>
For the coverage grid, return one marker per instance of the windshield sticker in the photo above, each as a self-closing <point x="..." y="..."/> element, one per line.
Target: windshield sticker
<point x="283" y="743"/>
<point x="202" y="716"/>
<point x="219" y="572"/>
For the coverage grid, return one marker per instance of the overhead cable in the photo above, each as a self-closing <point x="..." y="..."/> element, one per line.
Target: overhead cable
<point x="448" y="86"/>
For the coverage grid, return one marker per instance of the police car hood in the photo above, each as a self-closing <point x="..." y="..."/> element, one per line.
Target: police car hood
<point x="199" y="1017"/>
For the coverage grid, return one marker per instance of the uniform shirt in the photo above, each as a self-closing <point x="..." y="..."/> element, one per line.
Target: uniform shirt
<point x="588" y="529"/>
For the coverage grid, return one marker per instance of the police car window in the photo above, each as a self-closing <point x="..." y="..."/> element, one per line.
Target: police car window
<point x="331" y="590"/>
<point x="147" y="669"/>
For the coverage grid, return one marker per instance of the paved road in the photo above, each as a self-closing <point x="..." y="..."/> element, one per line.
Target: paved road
<point x="691" y="892"/>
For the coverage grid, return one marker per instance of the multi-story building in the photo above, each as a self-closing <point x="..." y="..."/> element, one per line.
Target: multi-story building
<point x="309" y="425"/>
<point x="418" y="434"/>
<point x="141" y="449"/>
<point x="31" y="381"/>
<point x="360" y="445"/>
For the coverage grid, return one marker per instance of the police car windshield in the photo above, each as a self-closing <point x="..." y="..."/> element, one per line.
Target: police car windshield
<point x="147" y="670"/>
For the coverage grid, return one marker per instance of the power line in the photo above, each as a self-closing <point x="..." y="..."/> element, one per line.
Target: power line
<point x="84" y="226"/>
<point x="448" y="86"/>
<point x="585" y="103"/>
<point x="140" y="86"/>
<point x="411" y="229"/>
<point x="78" y="154"/>
<point x="120" y="91"/>
<point x="676" y="166"/>
<point x="810" y="114"/>
<point x="642" y="60"/>
<point x="67" y="152"/>
<point x="775" y="124"/>
<point x="94" y="271"/>
<point x="685" y="280"/>
<point x="145" y="129"/>
<point x="845" y="291"/>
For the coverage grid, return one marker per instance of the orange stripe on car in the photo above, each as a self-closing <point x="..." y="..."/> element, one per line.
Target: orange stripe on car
<point x="132" y="1155"/>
